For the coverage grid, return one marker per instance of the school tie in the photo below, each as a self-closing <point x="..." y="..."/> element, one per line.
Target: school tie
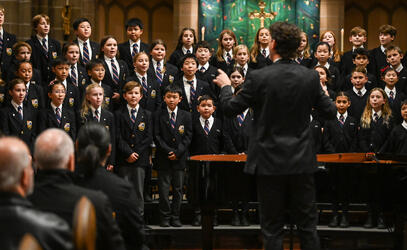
<point x="228" y="58"/>
<point x="134" y="50"/>
<point x="20" y="112"/>
<point x="188" y="51"/>
<point x="206" y="127"/>
<point x="85" y="58"/>
<point x="97" y="115"/>
<point x="133" y="115"/>
<point x="375" y="117"/>
<point x="158" y="73"/>
<point x="264" y="52"/>
<point x="1" y="43"/>
<point x="44" y="46"/>
<point x="115" y="72"/>
<point x="58" y="115"/>
<point x="144" y="84"/>
<point x="74" y="78"/>
<point x="359" y="93"/>
<point x="391" y="97"/>
<point x="192" y="95"/>
<point x="172" y="120"/>
<point x="202" y="69"/>
<point x="341" y="120"/>
<point x="240" y="119"/>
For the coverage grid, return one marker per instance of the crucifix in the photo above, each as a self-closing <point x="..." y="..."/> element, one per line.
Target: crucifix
<point x="262" y="15"/>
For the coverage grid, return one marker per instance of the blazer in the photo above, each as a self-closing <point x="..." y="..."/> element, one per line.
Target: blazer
<point x="55" y="192"/>
<point x="208" y="76"/>
<point x="124" y="202"/>
<point x="10" y="74"/>
<point x="223" y="65"/>
<point x="35" y="96"/>
<point x="373" y="138"/>
<point x="82" y="78"/>
<point x="43" y="61"/>
<point x="25" y="129"/>
<point x="125" y="55"/>
<point x="397" y="141"/>
<point x="18" y="217"/>
<point x="170" y="139"/>
<point x="170" y="73"/>
<point x="342" y="138"/>
<point x="68" y="123"/>
<point x="284" y="89"/>
<point x="261" y="62"/>
<point x="6" y="54"/>
<point x="203" y="143"/>
<point x="134" y="137"/>
<point x="108" y="93"/>
<point x="357" y="104"/>
<point x="176" y="56"/>
<point x="95" y="51"/>
<point x="202" y="88"/>
<point x="152" y="99"/>
<point x="370" y="84"/>
<point x="395" y="106"/>
<point x="378" y="60"/>
<point x="108" y="121"/>
<point x="123" y="74"/>
<point x="237" y="137"/>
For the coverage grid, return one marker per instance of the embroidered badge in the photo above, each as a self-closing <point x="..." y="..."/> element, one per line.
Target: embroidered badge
<point x="83" y="81"/>
<point x="71" y="101"/>
<point x="54" y="55"/>
<point x="181" y="129"/>
<point x="153" y="93"/>
<point x="107" y="100"/>
<point x="29" y="125"/>
<point x="67" y="127"/>
<point x="107" y="127"/>
<point x="171" y="78"/>
<point x="141" y="126"/>
<point x="1" y="97"/>
<point x="34" y="103"/>
<point x="9" y="51"/>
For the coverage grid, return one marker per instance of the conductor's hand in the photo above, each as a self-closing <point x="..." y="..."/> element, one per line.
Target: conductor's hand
<point x="222" y="79"/>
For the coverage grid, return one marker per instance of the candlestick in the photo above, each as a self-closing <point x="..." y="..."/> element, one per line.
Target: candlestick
<point x="342" y="38"/>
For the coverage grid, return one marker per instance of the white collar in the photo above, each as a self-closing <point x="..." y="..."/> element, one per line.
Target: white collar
<point x="206" y="66"/>
<point x="345" y="115"/>
<point x="155" y="63"/>
<point x="387" y="90"/>
<point x="175" y="111"/>
<point x="379" y="113"/>
<point x="363" y="90"/>
<point x="383" y="49"/>
<point x="184" y="50"/>
<point x="93" y="81"/>
<point x="81" y="42"/>
<point x="326" y="65"/>
<point x="404" y="124"/>
<point x="130" y="108"/>
<point x="210" y="119"/>
<point x="132" y="42"/>
<point x="15" y="105"/>
<point x="98" y="109"/>
<point x="141" y="76"/>
<point x="40" y="38"/>
<point x="108" y="59"/>
<point x="399" y="68"/>
<point x="226" y="52"/>
<point x="185" y="80"/>
<point x="54" y="107"/>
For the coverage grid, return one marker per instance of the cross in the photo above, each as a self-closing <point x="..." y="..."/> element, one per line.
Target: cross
<point x="262" y="14"/>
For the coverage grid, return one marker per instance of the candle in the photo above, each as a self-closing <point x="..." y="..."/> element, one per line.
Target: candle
<point x="203" y="33"/>
<point x="342" y="38"/>
<point x="66" y="2"/>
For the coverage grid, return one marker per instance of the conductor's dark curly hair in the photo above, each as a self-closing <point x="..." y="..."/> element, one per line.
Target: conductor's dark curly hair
<point x="287" y="38"/>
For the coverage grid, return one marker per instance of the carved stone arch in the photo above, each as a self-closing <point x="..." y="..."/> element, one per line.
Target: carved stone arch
<point x="162" y="27"/>
<point x="354" y="16"/>
<point x="377" y="16"/>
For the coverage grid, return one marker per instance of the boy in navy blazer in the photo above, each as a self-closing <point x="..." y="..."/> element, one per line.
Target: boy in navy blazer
<point x="127" y="50"/>
<point x="172" y="135"/>
<point x="44" y="49"/>
<point x="88" y="49"/>
<point x="206" y="72"/>
<point x="8" y="40"/>
<point x="134" y="136"/>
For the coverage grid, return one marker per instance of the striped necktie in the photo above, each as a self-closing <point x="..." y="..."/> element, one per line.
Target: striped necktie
<point x="172" y="120"/>
<point x="144" y="84"/>
<point x="341" y="120"/>
<point x="391" y="96"/>
<point x="74" y="78"/>
<point x="20" y="112"/>
<point x="192" y="96"/>
<point x="86" y="57"/>
<point x="44" y="46"/>
<point x="134" y="51"/>
<point x="1" y="43"/>
<point x="240" y="119"/>
<point x="58" y="115"/>
<point x="228" y="58"/>
<point x="97" y="115"/>
<point x="264" y="52"/>
<point x="115" y="72"/>
<point x="133" y="115"/>
<point x="206" y="127"/>
<point x="158" y="73"/>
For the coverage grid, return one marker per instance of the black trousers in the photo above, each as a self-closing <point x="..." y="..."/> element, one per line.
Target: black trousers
<point x="166" y="178"/>
<point x="278" y="194"/>
<point x="135" y="175"/>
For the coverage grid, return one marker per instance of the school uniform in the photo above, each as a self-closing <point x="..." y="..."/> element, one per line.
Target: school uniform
<point x="397" y="141"/>
<point x="370" y="84"/>
<point x="22" y="126"/>
<point x="134" y="134"/>
<point x="319" y="142"/>
<point x="226" y="64"/>
<point x="378" y="60"/>
<point x="116" y="86"/>
<point x="341" y="135"/>
<point x="208" y="73"/>
<point x="3" y="95"/>
<point x="237" y="136"/>
<point x="178" y="54"/>
<point x="72" y="99"/>
<point x="91" y="48"/>
<point x="262" y="59"/>
<point x="106" y="119"/>
<point x="187" y="103"/>
<point x="78" y="76"/>
<point x="151" y="91"/>
<point x="126" y="51"/>
<point x="35" y="96"/>
<point x="108" y="93"/>
<point x="402" y="76"/>
<point x="48" y="119"/>
<point x="336" y="78"/>
<point x="395" y="97"/>
<point x="167" y="74"/>
<point x="10" y="73"/>
<point x="6" y="51"/>
<point x="41" y="58"/>
<point x="358" y="102"/>
<point x="171" y="137"/>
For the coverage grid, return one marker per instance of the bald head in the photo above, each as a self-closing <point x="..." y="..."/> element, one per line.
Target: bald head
<point x="14" y="159"/>
<point x="53" y="149"/>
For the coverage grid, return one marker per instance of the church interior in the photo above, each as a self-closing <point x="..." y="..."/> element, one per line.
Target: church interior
<point x="165" y="19"/>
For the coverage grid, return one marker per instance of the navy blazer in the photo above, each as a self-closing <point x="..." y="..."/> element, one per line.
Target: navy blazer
<point x="176" y="56"/>
<point x="237" y="137"/>
<point x="261" y="61"/>
<point x="125" y="55"/>
<point x="43" y="61"/>
<point x="152" y="99"/>
<point x="342" y="138"/>
<point x="134" y="137"/>
<point x="223" y="65"/>
<point x="397" y="141"/>
<point x="108" y="121"/>
<point x="358" y="104"/>
<point x="123" y="74"/>
<point x="95" y="51"/>
<point x="7" y="52"/>
<point x="202" y="88"/>
<point x="170" y="139"/>
<point x="378" y="61"/>
<point x="47" y="119"/>
<point x="203" y="143"/>
<point x="373" y="138"/>
<point x="284" y="89"/>
<point x="170" y="74"/>
<point x="25" y="129"/>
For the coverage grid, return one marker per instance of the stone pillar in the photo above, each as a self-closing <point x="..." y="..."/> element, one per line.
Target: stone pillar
<point x="18" y="18"/>
<point x="332" y="17"/>
<point x="185" y="15"/>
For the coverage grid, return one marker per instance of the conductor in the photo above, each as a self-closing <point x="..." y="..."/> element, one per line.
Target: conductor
<point x="280" y="149"/>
